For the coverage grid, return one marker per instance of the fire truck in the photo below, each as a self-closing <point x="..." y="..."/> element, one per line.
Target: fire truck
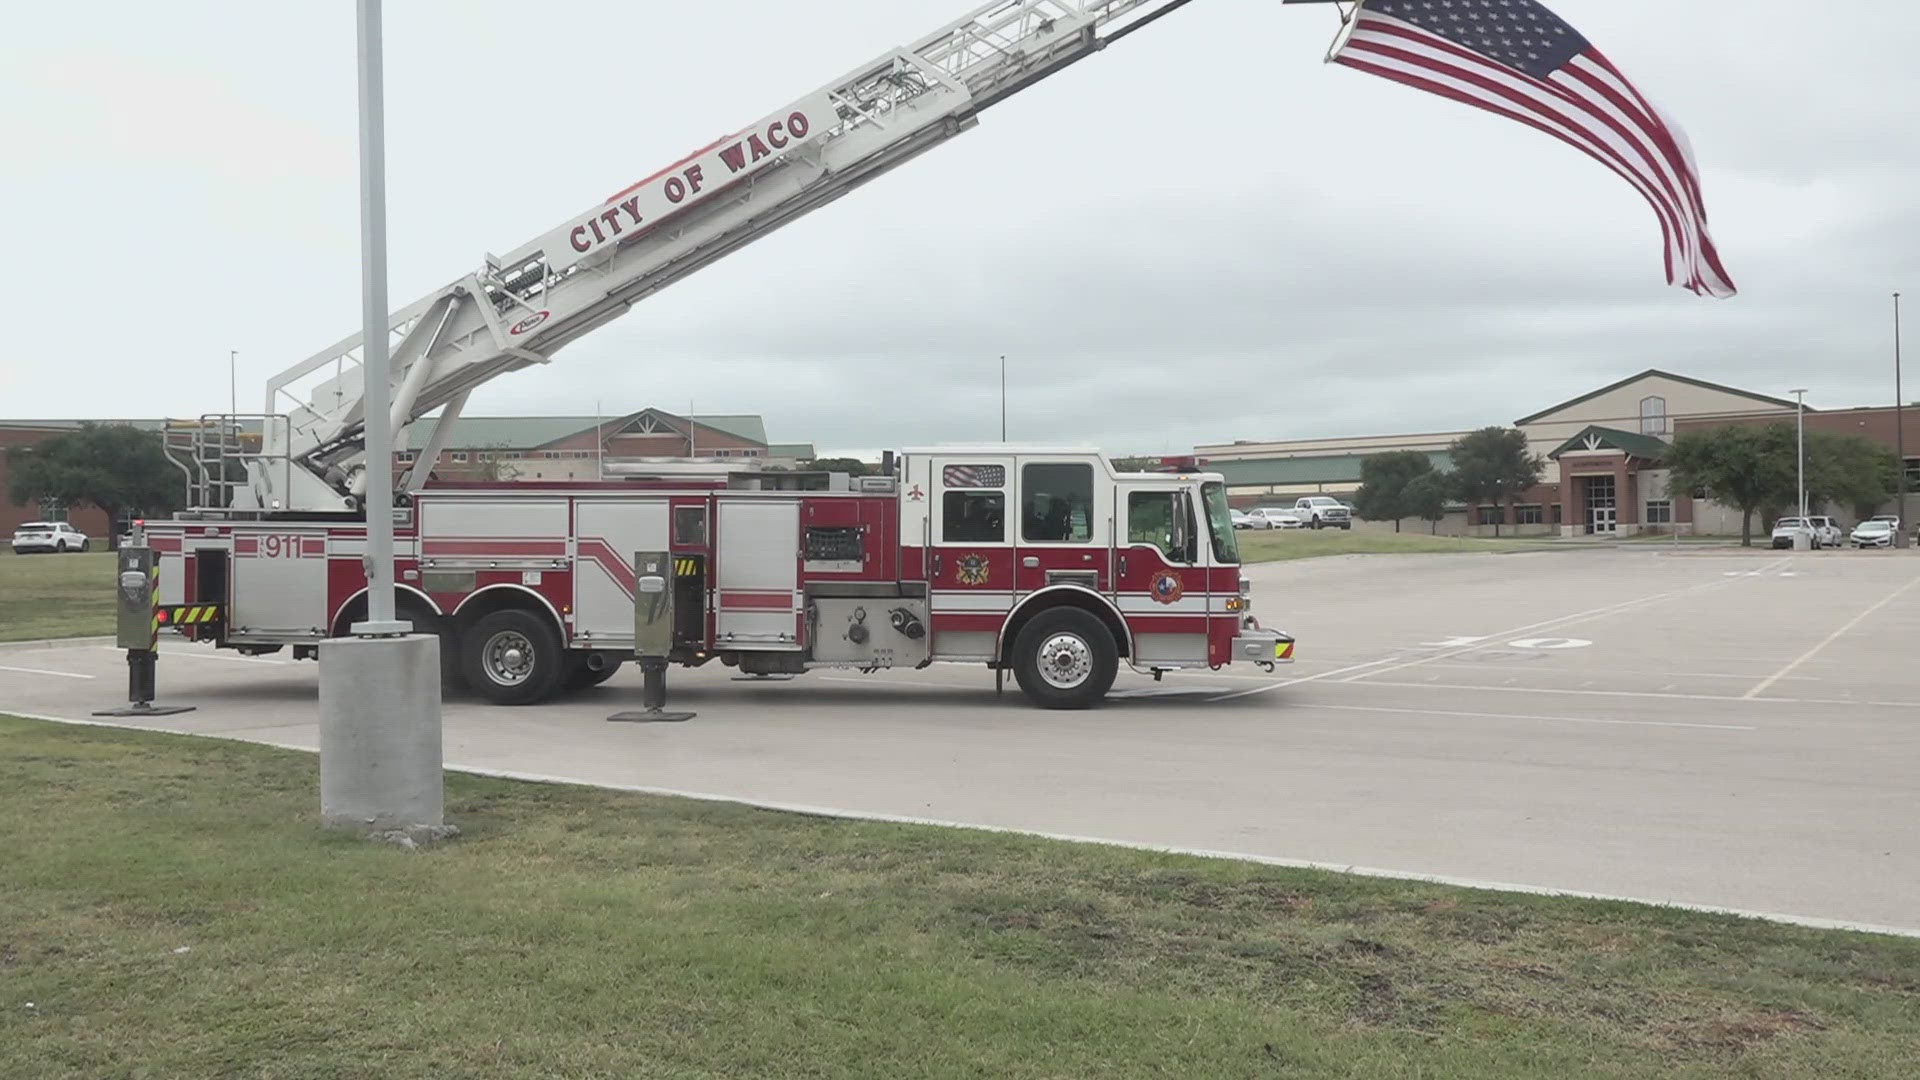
<point x="1044" y="561"/>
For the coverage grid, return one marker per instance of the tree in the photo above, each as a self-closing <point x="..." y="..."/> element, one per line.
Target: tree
<point x="1493" y="465"/>
<point x="850" y="466"/>
<point x="1425" y="497"/>
<point x="1851" y="470"/>
<point x="1745" y="467"/>
<point x="120" y="469"/>
<point x="1383" y="484"/>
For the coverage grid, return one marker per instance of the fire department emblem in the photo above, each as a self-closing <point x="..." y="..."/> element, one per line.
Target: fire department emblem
<point x="1166" y="587"/>
<point x="973" y="570"/>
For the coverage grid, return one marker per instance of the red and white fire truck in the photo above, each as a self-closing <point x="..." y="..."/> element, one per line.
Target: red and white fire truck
<point x="1044" y="561"/>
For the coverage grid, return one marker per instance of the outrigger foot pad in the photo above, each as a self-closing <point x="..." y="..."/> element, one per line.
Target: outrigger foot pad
<point x="146" y="710"/>
<point x="649" y="716"/>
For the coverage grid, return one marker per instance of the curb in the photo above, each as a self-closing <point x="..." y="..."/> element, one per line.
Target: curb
<point x="56" y="643"/>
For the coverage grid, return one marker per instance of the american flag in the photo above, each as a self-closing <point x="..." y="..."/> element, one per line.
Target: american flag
<point x="974" y="476"/>
<point x="1520" y="60"/>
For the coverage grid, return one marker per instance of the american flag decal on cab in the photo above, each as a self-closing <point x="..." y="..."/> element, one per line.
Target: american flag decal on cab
<point x="974" y="476"/>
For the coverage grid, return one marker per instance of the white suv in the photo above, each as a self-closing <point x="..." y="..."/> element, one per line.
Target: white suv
<point x="55" y="536"/>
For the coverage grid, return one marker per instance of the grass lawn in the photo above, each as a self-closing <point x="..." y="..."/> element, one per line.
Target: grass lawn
<point x="171" y="909"/>
<point x="54" y="596"/>
<point x="1280" y="544"/>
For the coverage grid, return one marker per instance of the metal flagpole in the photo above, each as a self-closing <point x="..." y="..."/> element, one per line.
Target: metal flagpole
<point x="1800" y="438"/>
<point x="1003" y="398"/>
<point x="380" y="738"/>
<point x="1899" y="436"/>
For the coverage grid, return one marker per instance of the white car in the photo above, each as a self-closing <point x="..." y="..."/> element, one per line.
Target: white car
<point x="1821" y="531"/>
<point x="1277" y="517"/>
<point x="1244" y="520"/>
<point x="1876" y="532"/>
<point x="55" y="536"/>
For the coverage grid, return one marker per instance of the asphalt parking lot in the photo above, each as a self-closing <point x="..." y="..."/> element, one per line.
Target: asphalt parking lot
<point x="1711" y="727"/>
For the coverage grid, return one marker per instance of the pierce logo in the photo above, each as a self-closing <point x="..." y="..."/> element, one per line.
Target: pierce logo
<point x="530" y="322"/>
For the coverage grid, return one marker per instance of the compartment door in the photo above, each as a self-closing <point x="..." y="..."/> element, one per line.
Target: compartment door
<point x="606" y="534"/>
<point x="757" y="574"/>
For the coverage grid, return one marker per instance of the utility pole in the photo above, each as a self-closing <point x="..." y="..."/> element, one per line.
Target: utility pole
<point x="1900" y="527"/>
<point x="380" y="739"/>
<point x="1800" y="434"/>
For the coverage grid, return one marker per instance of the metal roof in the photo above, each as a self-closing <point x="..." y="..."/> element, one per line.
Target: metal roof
<point x="1657" y="373"/>
<point x="1606" y="438"/>
<point x="531" y="432"/>
<point x="799" y="451"/>
<point x="1325" y="469"/>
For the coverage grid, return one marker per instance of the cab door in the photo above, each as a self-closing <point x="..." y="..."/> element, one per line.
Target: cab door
<point x="970" y="562"/>
<point x="1065" y="519"/>
<point x="1160" y="568"/>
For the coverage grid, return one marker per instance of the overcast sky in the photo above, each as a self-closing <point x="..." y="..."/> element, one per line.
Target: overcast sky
<point x="1202" y="234"/>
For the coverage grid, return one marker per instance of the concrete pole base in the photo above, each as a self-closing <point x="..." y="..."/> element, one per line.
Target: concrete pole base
<point x="380" y="759"/>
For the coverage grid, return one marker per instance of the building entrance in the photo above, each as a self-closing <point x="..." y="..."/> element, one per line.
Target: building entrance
<point x="1603" y="513"/>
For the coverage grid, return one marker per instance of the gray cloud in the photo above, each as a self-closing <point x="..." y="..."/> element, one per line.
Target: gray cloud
<point x="1201" y="235"/>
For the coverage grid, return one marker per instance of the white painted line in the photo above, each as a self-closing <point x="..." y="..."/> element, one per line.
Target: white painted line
<point x="52" y="643"/>
<point x="1828" y="640"/>
<point x="1305" y="679"/>
<point x="44" y="671"/>
<point x="1564" y="620"/>
<point x="1811" y="921"/>
<point x="1309" y="706"/>
<point x="208" y="654"/>
<point x="1482" y="688"/>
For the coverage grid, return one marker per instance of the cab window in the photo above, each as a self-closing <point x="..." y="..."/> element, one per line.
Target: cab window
<point x="973" y="517"/>
<point x="1150" y="520"/>
<point x="1056" y="503"/>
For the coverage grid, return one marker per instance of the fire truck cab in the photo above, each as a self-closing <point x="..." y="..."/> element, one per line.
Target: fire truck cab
<point x="1042" y="561"/>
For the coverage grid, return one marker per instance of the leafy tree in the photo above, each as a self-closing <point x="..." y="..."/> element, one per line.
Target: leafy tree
<point x="1850" y="470"/>
<point x="1425" y="497"/>
<point x="1493" y="465"/>
<point x="1383" y="484"/>
<point x="850" y="466"/>
<point x="1748" y="468"/>
<point x="120" y="469"/>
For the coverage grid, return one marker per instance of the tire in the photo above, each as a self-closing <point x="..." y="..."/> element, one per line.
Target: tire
<point x="512" y="658"/>
<point x="1065" y="658"/>
<point x="83" y="546"/>
<point x="582" y="677"/>
<point x="60" y="548"/>
<point x="1348" y="526"/>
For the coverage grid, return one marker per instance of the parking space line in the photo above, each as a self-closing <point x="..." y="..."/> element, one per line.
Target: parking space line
<point x="1495" y="640"/>
<point x="1515" y="716"/>
<point x="199" y="654"/>
<point x="1639" y="694"/>
<point x="1828" y="640"/>
<point x="44" y="671"/>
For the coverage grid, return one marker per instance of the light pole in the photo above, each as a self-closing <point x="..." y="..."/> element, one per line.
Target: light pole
<point x="1899" y="436"/>
<point x="1003" y="397"/>
<point x="233" y="381"/>
<point x="380" y="739"/>
<point x="1800" y="434"/>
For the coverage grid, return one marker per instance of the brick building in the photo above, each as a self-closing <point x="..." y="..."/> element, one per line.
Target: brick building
<point x="1605" y="453"/>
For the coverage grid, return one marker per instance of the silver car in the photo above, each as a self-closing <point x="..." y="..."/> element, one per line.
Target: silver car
<point x="55" y="536"/>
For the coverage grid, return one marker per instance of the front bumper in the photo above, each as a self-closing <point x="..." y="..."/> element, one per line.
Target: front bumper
<point x="1262" y="646"/>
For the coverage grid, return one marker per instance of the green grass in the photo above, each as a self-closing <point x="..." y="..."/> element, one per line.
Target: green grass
<point x="171" y="909"/>
<point x="1281" y="544"/>
<point x="55" y="596"/>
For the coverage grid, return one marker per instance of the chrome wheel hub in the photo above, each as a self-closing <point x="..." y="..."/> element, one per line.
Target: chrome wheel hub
<point x="1066" y="661"/>
<point x="509" y="658"/>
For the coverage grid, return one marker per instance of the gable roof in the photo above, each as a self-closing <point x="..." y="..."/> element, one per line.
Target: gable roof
<point x="1651" y="373"/>
<point x="534" y="432"/>
<point x="1606" y="438"/>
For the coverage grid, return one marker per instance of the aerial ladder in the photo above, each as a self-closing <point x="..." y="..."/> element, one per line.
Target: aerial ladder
<point x="516" y="310"/>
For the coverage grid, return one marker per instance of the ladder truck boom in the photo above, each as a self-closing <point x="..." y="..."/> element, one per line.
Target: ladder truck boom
<point x="517" y="310"/>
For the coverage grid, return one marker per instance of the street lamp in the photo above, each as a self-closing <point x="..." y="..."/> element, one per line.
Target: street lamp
<point x="1800" y="434"/>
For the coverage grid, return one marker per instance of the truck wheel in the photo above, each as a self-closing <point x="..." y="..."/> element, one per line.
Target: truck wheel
<point x="1347" y="526"/>
<point x="1065" y="659"/>
<point x="1316" y="521"/>
<point x="582" y="675"/>
<point x="512" y="658"/>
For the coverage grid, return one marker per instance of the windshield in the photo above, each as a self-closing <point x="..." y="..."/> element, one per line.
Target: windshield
<point x="1226" y="549"/>
<point x="35" y="526"/>
<point x="1787" y="523"/>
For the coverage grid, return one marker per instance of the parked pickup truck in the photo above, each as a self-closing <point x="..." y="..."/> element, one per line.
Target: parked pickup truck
<point x="1323" y="512"/>
<point x="1823" y="531"/>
